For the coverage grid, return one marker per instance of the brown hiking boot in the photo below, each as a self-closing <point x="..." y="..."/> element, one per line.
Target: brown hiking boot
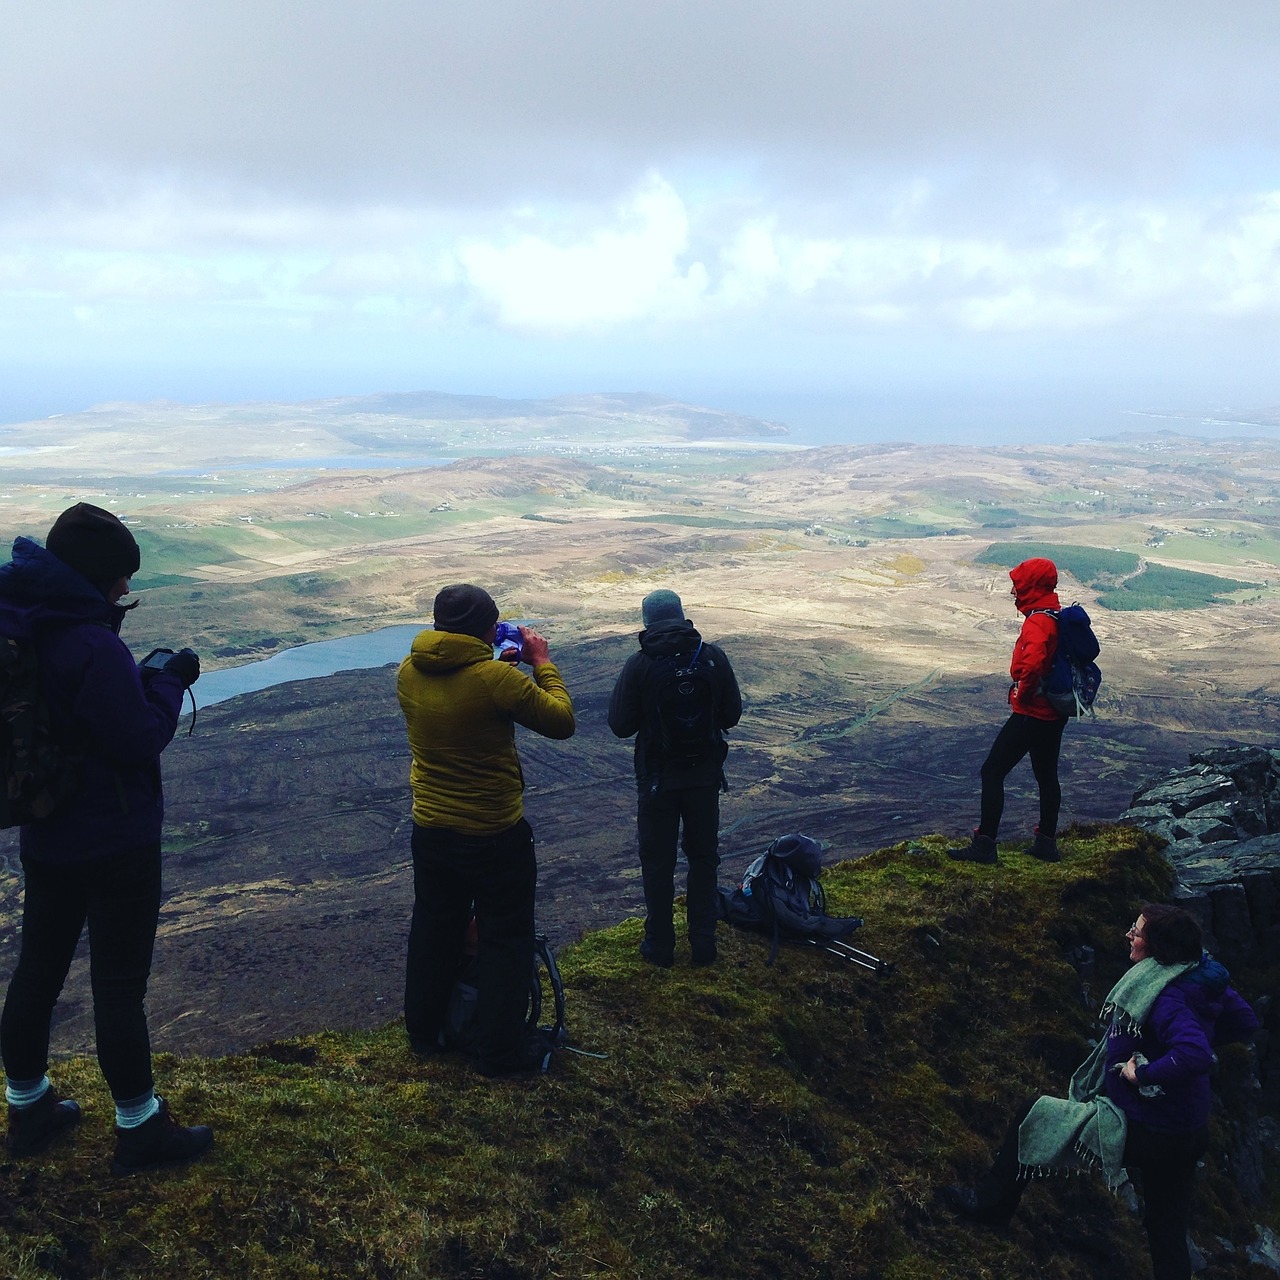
<point x="980" y="849"/>
<point x="32" y="1128"/>
<point x="157" y="1142"/>
<point x="1045" y="848"/>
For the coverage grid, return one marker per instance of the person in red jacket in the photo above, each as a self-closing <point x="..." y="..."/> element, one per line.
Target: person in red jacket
<point x="1034" y="728"/>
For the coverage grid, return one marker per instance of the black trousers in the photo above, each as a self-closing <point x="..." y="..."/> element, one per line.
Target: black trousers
<point x="119" y="898"/>
<point x="496" y="876"/>
<point x="660" y="815"/>
<point x="1165" y="1164"/>
<point x="1020" y="736"/>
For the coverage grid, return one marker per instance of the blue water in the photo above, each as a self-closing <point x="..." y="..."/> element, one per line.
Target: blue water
<point x="308" y="662"/>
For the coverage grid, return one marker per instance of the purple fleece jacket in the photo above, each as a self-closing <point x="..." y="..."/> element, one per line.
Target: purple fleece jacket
<point x="1190" y="1018"/>
<point x="101" y="709"/>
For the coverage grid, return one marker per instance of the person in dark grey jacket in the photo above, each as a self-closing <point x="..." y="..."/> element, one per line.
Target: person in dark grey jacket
<point x="95" y="860"/>
<point x="677" y="695"/>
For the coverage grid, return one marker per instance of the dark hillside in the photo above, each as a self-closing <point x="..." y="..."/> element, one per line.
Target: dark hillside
<point x="793" y="1121"/>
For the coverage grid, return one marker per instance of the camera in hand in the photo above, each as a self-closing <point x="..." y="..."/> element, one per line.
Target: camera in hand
<point x="185" y="664"/>
<point x="155" y="660"/>
<point x="507" y="639"/>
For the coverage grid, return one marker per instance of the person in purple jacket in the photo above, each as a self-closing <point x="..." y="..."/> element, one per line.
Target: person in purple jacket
<point x="94" y="860"/>
<point x="1140" y="1103"/>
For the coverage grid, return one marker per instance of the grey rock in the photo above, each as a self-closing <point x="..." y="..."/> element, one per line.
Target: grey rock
<point x="1265" y="1250"/>
<point x="1188" y="775"/>
<point x="1247" y="767"/>
<point x="1197" y="1259"/>
<point x="1181" y="796"/>
<point x="1262" y="888"/>
<point x="1249" y="814"/>
<point x="1208" y="830"/>
<point x="1232" y="927"/>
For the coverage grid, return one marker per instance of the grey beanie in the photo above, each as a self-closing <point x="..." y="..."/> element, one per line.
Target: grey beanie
<point x="94" y="543"/>
<point x="661" y="606"/>
<point x="464" y="610"/>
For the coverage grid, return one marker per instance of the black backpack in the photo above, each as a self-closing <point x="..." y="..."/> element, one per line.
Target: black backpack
<point x="544" y="980"/>
<point x="682" y="695"/>
<point x="780" y="894"/>
<point x="38" y="775"/>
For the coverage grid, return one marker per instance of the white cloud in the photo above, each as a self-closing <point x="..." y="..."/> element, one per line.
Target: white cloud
<point x="631" y="270"/>
<point x="657" y="256"/>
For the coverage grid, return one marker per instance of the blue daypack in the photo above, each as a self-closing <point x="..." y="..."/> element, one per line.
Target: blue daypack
<point x="1074" y="679"/>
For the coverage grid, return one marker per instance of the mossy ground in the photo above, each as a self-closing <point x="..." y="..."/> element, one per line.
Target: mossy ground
<point x="792" y="1121"/>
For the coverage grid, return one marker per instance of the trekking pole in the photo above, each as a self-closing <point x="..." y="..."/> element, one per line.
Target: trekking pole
<point x="855" y="955"/>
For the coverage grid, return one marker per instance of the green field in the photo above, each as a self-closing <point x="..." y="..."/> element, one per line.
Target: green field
<point x="1118" y="578"/>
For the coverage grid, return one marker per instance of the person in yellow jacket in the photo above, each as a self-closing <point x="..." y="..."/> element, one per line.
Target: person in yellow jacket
<point x="472" y="848"/>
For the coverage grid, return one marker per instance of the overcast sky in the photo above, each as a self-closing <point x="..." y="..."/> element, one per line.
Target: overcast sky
<point x="955" y="218"/>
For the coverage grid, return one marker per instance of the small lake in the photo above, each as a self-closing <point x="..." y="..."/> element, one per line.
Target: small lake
<point x="308" y="662"/>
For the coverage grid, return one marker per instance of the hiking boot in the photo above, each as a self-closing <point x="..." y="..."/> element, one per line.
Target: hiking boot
<point x="704" y="952"/>
<point x="980" y="849"/>
<point x="32" y="1128"/>
<point x="963" y="1202"/>
<point x="663" y="957"/>
<point x="1045" y="848"/>
<point x="159" y="1141"/>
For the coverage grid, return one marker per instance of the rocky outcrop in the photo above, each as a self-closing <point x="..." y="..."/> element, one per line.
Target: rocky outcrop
<point x="1221" y="817"/>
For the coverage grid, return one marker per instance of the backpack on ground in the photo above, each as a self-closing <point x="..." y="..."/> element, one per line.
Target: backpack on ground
<point x="781" y="894"/>
<point x="683" y="695"/>
<point x="544" y="983"/>
<point x="38" y="775"/>
<point x="1072" y="684"/>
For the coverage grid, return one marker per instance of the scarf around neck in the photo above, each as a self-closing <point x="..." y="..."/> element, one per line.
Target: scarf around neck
<point x="1086" y="1128"/>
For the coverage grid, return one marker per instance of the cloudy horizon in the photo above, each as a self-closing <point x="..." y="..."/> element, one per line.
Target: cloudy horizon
<point x="985" y="218"/>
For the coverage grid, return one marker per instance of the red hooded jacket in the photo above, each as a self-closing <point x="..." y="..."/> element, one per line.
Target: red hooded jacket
<point x="1033" y="584"/>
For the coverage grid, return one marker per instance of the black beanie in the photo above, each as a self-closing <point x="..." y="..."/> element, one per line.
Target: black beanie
<point x="465" y="610"/>
<point x="94" y="543"/>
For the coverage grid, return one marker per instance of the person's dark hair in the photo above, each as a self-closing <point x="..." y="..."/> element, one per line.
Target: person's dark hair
<point x="1173" y="935"/>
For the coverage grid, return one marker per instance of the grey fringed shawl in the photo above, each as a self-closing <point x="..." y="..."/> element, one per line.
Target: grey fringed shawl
<point x="1086" y="1128"/>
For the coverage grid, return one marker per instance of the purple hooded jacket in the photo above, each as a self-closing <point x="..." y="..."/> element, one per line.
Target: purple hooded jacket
<point x="100" y="707"/>
<point x="1190" y="1017"/>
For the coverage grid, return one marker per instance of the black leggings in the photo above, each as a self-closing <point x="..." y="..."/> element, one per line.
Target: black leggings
<point x="119" y="898"/>
<point x="1023" y="735"/>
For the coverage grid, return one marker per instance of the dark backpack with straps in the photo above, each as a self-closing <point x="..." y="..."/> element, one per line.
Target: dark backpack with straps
<point x="1072" y="685"/>
<point x="545" y="984"/>
<point x="682" y="695"/>
<point x="38" y="775"/>
<point x="781" y="894"/>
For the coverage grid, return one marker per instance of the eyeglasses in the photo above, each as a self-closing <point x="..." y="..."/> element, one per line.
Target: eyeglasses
<point x="1133" y="931"/>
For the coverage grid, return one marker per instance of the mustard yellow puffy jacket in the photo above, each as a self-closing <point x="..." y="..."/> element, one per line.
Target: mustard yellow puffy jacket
<point x="461" y="708"/>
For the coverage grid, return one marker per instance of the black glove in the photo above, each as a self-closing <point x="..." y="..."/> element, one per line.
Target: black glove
<point x="185" y="664"/>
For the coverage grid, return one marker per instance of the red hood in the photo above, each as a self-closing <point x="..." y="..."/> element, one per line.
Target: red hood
<point x="1034" y="583"/>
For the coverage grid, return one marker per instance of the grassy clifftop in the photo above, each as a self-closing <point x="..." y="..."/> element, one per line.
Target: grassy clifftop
<point x="793" y="1121"/>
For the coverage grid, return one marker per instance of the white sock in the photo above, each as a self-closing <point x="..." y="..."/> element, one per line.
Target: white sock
<point x="25" y="1093"/>
<point x="135" y="1111"/>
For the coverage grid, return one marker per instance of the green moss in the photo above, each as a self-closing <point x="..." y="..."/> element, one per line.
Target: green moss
<point x="790" y="1121"/>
